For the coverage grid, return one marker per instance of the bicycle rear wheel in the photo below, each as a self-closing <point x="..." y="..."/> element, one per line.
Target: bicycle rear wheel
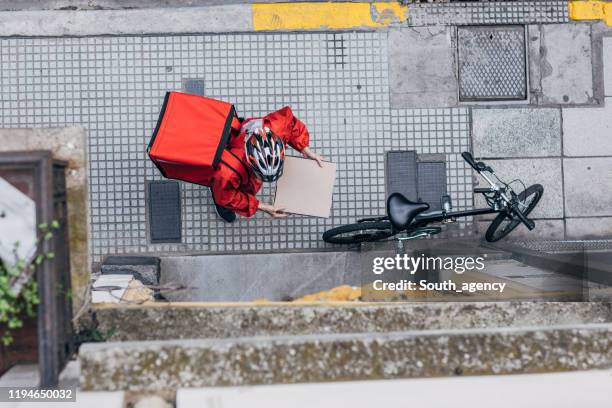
<point x="359" y="232"/>
<point x="502" y="225"/>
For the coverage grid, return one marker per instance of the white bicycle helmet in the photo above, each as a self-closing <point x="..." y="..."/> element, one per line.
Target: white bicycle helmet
<point x="265" y="153"/>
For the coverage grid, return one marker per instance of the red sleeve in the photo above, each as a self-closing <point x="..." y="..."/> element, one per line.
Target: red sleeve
<point x="291" y="129"/>
<point x="226" y="193"/>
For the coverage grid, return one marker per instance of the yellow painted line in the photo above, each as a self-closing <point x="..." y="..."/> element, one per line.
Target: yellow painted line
<point x="591" y="10"/>
<point x="337" y="15"/>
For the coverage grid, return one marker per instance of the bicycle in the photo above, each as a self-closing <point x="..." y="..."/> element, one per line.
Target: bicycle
<point x="413" y="219"/>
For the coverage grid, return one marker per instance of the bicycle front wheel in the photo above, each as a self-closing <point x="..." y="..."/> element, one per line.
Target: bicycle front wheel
<point x="359" y="232"/>
<point x="502" y="225"/>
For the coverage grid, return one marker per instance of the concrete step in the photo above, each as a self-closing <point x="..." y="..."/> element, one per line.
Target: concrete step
<point x="192" y="320"/>
<point x="172" y="364"/>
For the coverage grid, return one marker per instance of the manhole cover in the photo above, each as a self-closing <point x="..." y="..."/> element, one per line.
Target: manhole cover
<point x="492" y="63"/>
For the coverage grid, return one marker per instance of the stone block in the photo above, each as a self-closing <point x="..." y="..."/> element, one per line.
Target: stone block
<point x="589" y="228"/>
<point x="516" y="132"/>
<point x="546" y="172"/>
<point x="158" y="321"/>
<point x="145" y="269"/>
<point x="566" y="66"/>
<point x="171" y="364"/>
<point x="588" y="131"/>
<point x="422" y="70"/>
<point x="588" y="187"/>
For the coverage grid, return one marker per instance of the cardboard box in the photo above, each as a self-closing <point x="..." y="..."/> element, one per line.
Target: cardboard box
<point x="305" y="188"/>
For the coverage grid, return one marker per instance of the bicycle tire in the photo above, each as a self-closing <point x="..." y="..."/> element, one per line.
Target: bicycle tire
<point x="374" y="231"/>
<point x="494" y="233"/>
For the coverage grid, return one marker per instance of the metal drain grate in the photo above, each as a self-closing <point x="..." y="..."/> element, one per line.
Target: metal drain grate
<point x="568" y="245"/>
<point x="431" y="183"/>
<point x="418" y="177"/>
<point x="165" y="211"/>
<point x="401" y="171"/>
<point x="492" y="63"/>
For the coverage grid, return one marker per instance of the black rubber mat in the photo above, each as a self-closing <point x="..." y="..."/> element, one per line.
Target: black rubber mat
<point x="401" y="173"/>
<point x="165" y="211"/>
<point x="431" y="184"/>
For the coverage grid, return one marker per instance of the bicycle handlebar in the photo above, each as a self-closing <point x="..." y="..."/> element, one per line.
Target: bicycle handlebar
<point x="528" y="223"/>
<point x="467" y="156"/>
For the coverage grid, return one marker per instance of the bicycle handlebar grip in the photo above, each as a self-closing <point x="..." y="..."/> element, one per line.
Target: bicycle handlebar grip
<point x="467" y="156"/>
<point x="528" y="223"/>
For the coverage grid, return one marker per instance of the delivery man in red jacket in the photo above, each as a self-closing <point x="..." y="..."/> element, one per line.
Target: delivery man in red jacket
<point x="260" y="145"/>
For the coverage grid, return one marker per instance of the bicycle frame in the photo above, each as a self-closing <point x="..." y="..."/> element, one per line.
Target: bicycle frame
<point x="424" y="219"/>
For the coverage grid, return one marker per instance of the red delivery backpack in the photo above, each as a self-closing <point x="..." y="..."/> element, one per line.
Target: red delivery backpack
<point x="190" y="138"/>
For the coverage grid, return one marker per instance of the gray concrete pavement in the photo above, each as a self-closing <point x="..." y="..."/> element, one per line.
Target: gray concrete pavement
<point x="607" y="62"/>
<point x="396" y="83"/>
<point x="213" y="19"/>
<point x="558" y="390"/>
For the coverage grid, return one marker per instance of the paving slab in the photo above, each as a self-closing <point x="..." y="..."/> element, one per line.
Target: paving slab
<point x="566" y="66"/>
<point x="516" y="132"/>
<point x="587" y="185"/>
<point x="607" y="65"/>
<point x="422" y="69"/>
<point x="220" y="19"/>
<point x="589" y="227"/>
<point x="550" y="390"/>
<point x="546" y="172"/>
<point x="588" y="131"/>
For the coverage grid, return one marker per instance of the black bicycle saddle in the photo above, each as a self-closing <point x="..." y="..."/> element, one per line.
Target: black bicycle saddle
<point x="401" y="211"/>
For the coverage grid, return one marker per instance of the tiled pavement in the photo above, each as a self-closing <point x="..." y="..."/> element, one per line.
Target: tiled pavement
<point x="337" y="83"/>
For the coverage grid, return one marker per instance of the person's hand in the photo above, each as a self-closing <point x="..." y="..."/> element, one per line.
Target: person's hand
<point x="273" y="211"/>
<point x="309" y="154"/>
